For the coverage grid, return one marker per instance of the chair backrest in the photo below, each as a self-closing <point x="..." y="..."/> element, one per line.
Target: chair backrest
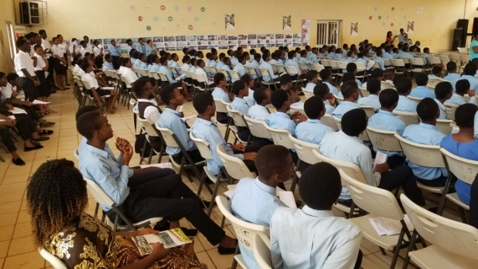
<point x="148" y="127"/>
<point x="203" y="146"/>
<point x="280" y="137"/>
<point x="223" y="71"/>
<point x="444" y="58"/>
<point x="163" y="77"/>
<point x="407" y="117"/>
<point x="387" y="85"/>
<point x="386" y="62"/>
<point x="338" y="98"/>
<point x="303" y="66"/>
<point x="221" y="106"/>
<point x="416" y="99"/>
<point x="168" y="136"/>
<point x="462" y="168"/>
<point x="317" y="67"/>
<point x="52" y="259"/>
<point x="86" y="84"/>
<point x="98" y="194"/>
<point x="235" y="167"/>
<point x="462" y="50"/>
<point x="455" y="58"/>
<point x="444" y="233"/>
<point x="374" y="200"/>
<point x="338" y="122"/>
<point x="360" y="66"/>
<point x="261" y="247"/>
<point x="432" y="83"/>
<point x="291" y="70"/>
<point x="364" y="92"/>
<point x="307" y="94"/>
<point x="264" y="72"/>
<point x="369" y="110"/>
<point x="237" y="116"/>
<point x="233" y="74"/>
<point x="444" y="126"/>
<point x="328" y="120"/>
<point x="351" y="169"/>
<point x="384" y="140"/>
<point x="342" y="64"/>
<point x="245" y="231"/>
<point x="424" y="155"/>
<point x="397" y="62"/>
<point x="305" y="150"/>
<point x="450" y="109"/>
<point x="258" y="128"/>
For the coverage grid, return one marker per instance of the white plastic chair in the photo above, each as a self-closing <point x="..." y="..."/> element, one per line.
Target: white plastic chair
<point x="450" y="109"/>
<point x="52" y="259"/>
<point x="454" y="244"/>
<point x="261" y="247"/>
<point x="416" y="99"/>
<point x="307" y="93"/>
<point x="150" y="131"/>
<point x="258" y="128"/>
<point x="444" y="126"/>
<point x="408" y="118"/>
<point x="383" y="140"/>
<point x="432" y="82"/>
<point x="280" y="137"/>
<point x="221" y="107"/>
<point x="245" y="231"/>
<point x="239" y="121"/>
<point x="305" y="152"/>
<point x="364" y="92"/>
<point x="369" y="110"/>
<point x="417" y="65"/>
<point x="328" y="120"/>
<point x="387" y="85"/>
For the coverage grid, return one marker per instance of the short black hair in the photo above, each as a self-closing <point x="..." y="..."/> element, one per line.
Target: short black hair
<point x="465" y="115"/>
<point x="421" y="79"/>
<point x="41" y="32"/>
<point x="167" y="93"/>
<point x="218" y="77"/>
<point x="376" y="73"/>
<point x="85" y="109"/>
<point x="325" y="74"/>
<point x="350" y="76"/>
<point x="107" y="56"/>
<point x="201" y="101"/>
<point x="278" y="98"/>
<point x="388" y="98"/>
<point x="462" y="86"/>
<point x="85" y="65"/>
<point x="320" y="186"/>
<point x="321" y="90"/>
<point x="163" y="60"/>
<point x="351" y="67"/>
<point x="470" y="69"/>
<point x="271" y="160"/>
<point x="373" y="86"/>
<point x="284" y="79"/>
<point x="354" y="122"/>
<point x="436" y="70"/>
<point x="427" y="109"/>
<point x="443" y="89"/>
<point x="260" y="94"/>
<point x="312" y="74"/>
<point x="451" y="66"/>
<point x="88" y="123"/>
<point x="238" y="86"/>
<point x="246" y="78"/>
<point x="349" y="88"/>
<point x="313" y="107"/>
<point x="139" y="84"/>
<point x="12" y="76"/>
<point x="403" y="85"/>
<point x="186" y="58"/>
<point x="21" y="41"/>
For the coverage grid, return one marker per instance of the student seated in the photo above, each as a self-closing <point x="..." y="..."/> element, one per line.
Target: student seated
<point x="221" y="92"/>
<point x="259" y="111"/>
<point x="345" y="146"/>
<point x="462" y="87"/>
<point x="290" y="62"/>
<point x="295" y="98"/>
<point x="443" y="92"/>
<point x="108" y="64"/>
<point x="389" y="76"/>
<point x="451" y="76"/>
<point x="426" y="133"/>
<point x="239" y="68"/>
<point x="312" y="237"/>
<point x="204" y="128"/>
<point x="171" y="119"/>
<point x="350" y="91"/>
<point x="373" y="87"/>
<point x="96" y="91"/>
<point x="326" y="77"/>
<point x="322" y="91"/>
<point x="250" y="84"/>
<point x="312" y="78"/>
<point x="385" y="120"/>
<point x="91" y="243"/>
<point x="352" y="68"/>
<point x="437" y="72"/>
<point x="469" y="73"/>
<point x="312" y="130"/>
<point x="267" y="64"/>
<point x="404" y="87"/>
<point x="376" y="74"/>
<point x="421" y="91"/>
<point x="255" y="200"/>
<point x="139" y="191"/>
<point x="241" y="90"/>
<point x="279" y="119"/>
<point x="285" y="82"/>
<point x="463" y="144"/>
<point x="255" y="64"/>
<point x="126" y="71"/>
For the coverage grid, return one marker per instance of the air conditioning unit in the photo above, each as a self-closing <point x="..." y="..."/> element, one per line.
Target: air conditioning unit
<point x="32" y="12"/>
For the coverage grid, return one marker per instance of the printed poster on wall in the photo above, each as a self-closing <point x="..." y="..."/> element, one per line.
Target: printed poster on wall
<point x="410" y="27"/>
<point x="286" y="22"/>
<point x="230" y="23"/>
<point x="305" y="32"/>
<point x="354" y="28"/>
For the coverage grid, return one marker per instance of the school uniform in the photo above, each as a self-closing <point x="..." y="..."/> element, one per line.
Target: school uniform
<point x="115" y="54"/>
<point x="234" y="61"/>
<point x="129" y="74"/>
<point x="44" y="88"/>
<point x="460" y="100"/>
<point x="332" y="89"/>
<point x="441" y="107"/>
<point x="312" y="131"/>
<point x="108" y="66"/>
<point x="422" y="92"/>
<point x="295" y="65"/>
<point x="241" y="71"/>
<point x="241" y="105"/>
<point x="174" y="64"/>
<point x="371" y="100"/>
<point x="387" y="55"/>
<point x="155" y="67"/>
<point x="140" y="48"/>
<point x="313" y="58"/>
<point x="165" y="70"/>
<point x="268" y="66"/>
<point x="250" y="98"/>
<point x="256" y="65"/>
<point x="219" y="93"/>
<point x="201" y="72"/>
<point x="473" y="82"/>
<point x="185" y="67"/>
<point x="344" y="107"/>
<point x="94" y="85"/>
<point x="24" y="61"/>
<point x="281" y="121"/>
<point x="310" y="87"/>
<point x="452" y="78"/>
<point x="406" y="105"/>
<point x="258" y="112"/>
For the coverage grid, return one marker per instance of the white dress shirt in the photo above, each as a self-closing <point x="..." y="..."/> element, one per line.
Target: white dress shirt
<point x="308" y="238"/>
<point x="24" y="61"/>
<point x="91" y="80"/>
<point x="258" y="112"/>
<point x="151" y="113"/>
<point x="129" y="74"/>
<point x="40" y="63"/>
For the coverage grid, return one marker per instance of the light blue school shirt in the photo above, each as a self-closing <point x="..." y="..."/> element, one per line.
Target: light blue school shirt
<point x="208" y="131"/>
<point x="147" y="49"/>
<point x="133" y="61"/>
<point x="380" y="62"/>
<point x="312" y="131"/>
<point x="387" y="121"/>
<point x="387" y="55"/>
<point x="171" y="119"/>
<point x="108" y="65"/>
<point x="268" y="66"/>
<point x="310" y="86"/>
<point x="441" y="107"/>
<point x="422" y="92"/>
<point x="114" y="51"/>
<point x="234" y="60"/>
<point x="185" y="67"/>
<point x="406" y="105"/>
<point x="332" y="89"/>
<point x="83" y="144"/>
<point x="258" y="112"/>
<point x="460" y="100"/>
<point x="344" y="107"/>
<point x="219" y="93"/>
<point x="128" y="49"/>
<point x="294" y="64"/>
<point x="155" y="67"/>
<point x="102" y="167"/>
<point x="250" y="98"/>
<point x="473" y="82"/>
<point x="403" y="54"/>
<point x="281" y="121"/>
<point x="241" y="105"/>
<point x="425" y="134"/>
<point x="254" y="202"/>
<point x="221" y="65"/>
<point x="192" y="68"/>
<point x="208" y="62"/>
<point x="371" y="100"/>
<point x="464" y="150"/>
<point x="342" y="147"/>
<point x="241" y="71"/>
<point x="453" y="78"/>
<point x="473" y="55"/>
<point x="174" y="64"/>
<point x="137" y="63"/>
<point x="328" y="108"/>
<point x="308" y="238"/>
<point x="256" y="66"/>
<point x="167" y="72"/>
<point x="313" y="58"/>
<point x="431" y="76"/>
<point x="140" y="48"/>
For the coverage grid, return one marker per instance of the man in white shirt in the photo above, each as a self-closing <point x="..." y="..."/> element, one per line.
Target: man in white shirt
<point x="96" y="91"/>
<point x="127" y="72"/>
<point x="259" y="111"/>
<point x="312" y="237"/>
<point x="24" y="66"/>
<point x="47" y="49"/>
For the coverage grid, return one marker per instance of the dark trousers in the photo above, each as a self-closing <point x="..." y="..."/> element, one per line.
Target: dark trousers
<point x="395" y="161"/>
<point x="168" y="197"/>
<point x="243" y="133"/>
<point x="439" y="182"/>
<point x="51" y="68"/>
<point x="474" y="204"/>
<point x="402" y="177"/>
<point x="25" y="126"/>
<point x="250" y="164"/>
<point x="7" y="138"/>
<point x="31" y="91"/>
<point x="195" y="156"/>
<point x="116" y="63"/>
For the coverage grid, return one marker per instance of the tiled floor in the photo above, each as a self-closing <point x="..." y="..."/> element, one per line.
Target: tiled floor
<point x="16" y="248"/>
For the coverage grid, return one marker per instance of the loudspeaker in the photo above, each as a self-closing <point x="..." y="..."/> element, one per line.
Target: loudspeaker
<point x="29" y="13"/>
<point x="463" y="24"/>
<point x="457" y="40"/>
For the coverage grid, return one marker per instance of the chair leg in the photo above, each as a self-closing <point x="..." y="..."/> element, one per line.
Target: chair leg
<point x="211" y="203"/>
<point x="410" y="247"/>
<point x="142" y="152"/>
<point x="234" y="262"/>
<point x="441" y="205"/>
<point x="150" y="155"/>
<point x="397" y="248"/>
<point x="296" y="178"/>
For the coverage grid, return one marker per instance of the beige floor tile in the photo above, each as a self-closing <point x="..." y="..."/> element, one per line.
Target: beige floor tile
<point x="10" y="207"/>
<point x="22" y="230"/>
<point x="4" y="249"/>
<point x="21" y="246"/>
<point x="373" y="262"/>
<point x="221" y="261"/>
<point x="23" y="217"/>
<point x="6" y="232"/>
<point x="204" y="258"/>
<point x="31" y="260"/>
<point x="8" y="219"/>
<point x="2" y="260"/>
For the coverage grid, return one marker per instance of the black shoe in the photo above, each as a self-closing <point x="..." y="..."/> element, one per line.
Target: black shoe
<point x="189" y="232"/>
<point x="18" y="161"/>
<point x="27" y="149"/>
<point x="46" y="132"/>
<point x="41" y="138"/>
<point x="226" y="251"/>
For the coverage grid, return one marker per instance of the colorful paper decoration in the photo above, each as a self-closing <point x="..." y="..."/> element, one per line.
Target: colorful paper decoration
<point x="370" y="17"/>
<point x="196" y="19"/>
<point x="140" y="18"/>
<point x="190" y="27"/>
<point x="148" y="28"/>
<point x="203" y="9"/>
<point x="170" y="18"/>
<point x="162" y="7"/>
